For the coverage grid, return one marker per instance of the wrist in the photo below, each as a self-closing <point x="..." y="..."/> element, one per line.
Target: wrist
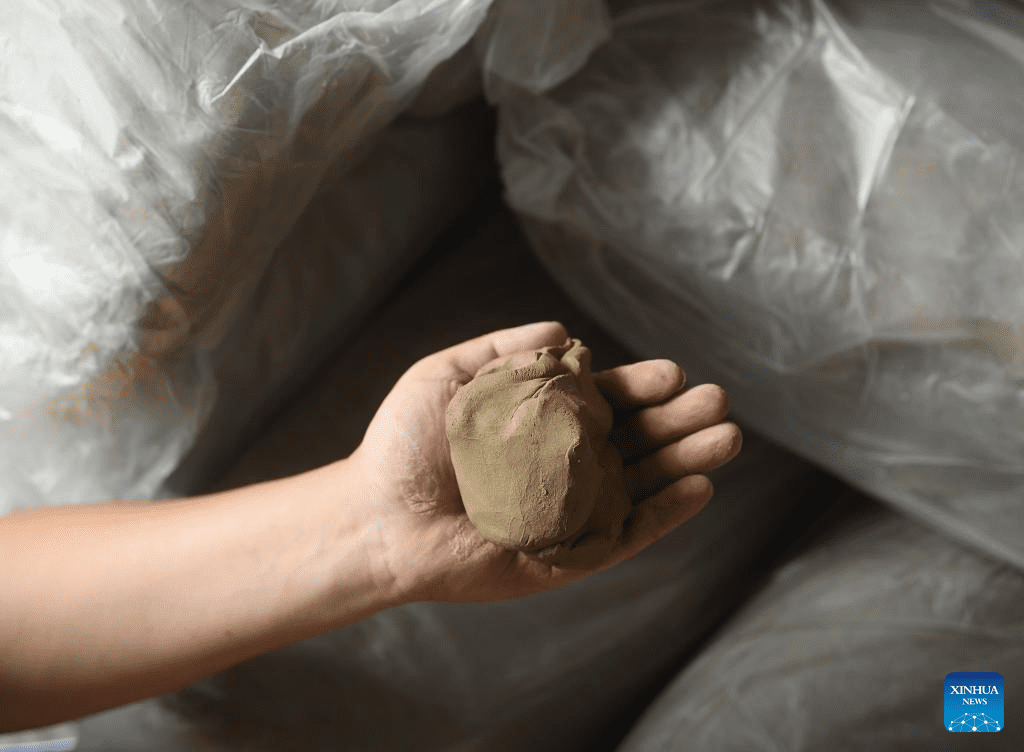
<point x="355" y="575"/>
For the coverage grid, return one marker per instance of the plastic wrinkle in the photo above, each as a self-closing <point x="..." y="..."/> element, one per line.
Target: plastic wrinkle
<point x="817" y="206"/>
<point x="155" y="160"/>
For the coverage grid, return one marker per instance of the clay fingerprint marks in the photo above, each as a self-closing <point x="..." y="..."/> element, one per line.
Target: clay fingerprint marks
<point x="529" y="441"/>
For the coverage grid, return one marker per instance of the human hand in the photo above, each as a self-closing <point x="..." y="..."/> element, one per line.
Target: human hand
<point x="665" y="438"/>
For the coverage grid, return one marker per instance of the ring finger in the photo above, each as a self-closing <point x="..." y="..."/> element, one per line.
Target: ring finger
<point x="697" y="454"/>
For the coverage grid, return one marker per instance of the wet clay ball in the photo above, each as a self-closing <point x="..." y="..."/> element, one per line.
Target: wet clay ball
<point x="529" y="444"/>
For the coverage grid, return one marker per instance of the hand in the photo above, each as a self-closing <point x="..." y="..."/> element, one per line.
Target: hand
<point x="667" y="439"/>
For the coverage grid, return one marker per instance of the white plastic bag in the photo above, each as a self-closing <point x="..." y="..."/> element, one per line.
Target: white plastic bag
<point x="847" y="647"/>
<point x="819" y="206"/>
<point x="154" y="157"/>
<point x="346" y="252"/>
<point x="62" y="737"/>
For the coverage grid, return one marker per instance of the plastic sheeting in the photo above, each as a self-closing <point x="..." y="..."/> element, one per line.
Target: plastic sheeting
<point x="62" y="737"/>
<point x="847" y="648"/>
<point x="818" y="206"/>
<point x="343" y="255"/>
<point x="814" y="204"/>
<point x="154" y="157"/>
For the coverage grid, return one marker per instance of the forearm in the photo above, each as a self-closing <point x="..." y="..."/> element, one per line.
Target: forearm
<point x="103" y="605"/>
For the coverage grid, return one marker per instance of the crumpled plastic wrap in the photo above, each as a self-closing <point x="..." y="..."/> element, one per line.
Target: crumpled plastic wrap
<point x="61" y="737"/>
<point x="343" y="255"/>
<point x="814" y="204"/>
<point x="847" y="647"/>
<point x="818" y="205"/>
<point x="154" y="158"/>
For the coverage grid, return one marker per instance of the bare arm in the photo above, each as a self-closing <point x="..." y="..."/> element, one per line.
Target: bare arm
<point x="106" y="604"/>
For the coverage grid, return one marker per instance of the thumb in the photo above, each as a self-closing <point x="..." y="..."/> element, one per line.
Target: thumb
<point x="470" y="356"/>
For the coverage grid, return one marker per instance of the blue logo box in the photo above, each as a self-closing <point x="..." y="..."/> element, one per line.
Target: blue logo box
<point x="974" y="701"/>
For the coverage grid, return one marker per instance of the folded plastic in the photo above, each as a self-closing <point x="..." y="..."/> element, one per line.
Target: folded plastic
<point x="847" y="648"/>
<point x="154" y="159"/>
<point x="345" y="253"/>
<point x="817" y="205"/>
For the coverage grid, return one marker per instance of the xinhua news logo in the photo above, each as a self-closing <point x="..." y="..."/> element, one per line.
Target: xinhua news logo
<point x="974" y="701"/>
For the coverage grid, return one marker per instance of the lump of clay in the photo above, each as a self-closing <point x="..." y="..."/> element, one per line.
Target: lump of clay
<point x="529" y="444"/>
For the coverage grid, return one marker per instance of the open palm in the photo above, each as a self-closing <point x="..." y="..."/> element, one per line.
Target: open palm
<point x="664" y="440"/>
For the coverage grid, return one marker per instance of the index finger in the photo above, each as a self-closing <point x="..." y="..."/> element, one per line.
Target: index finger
<point x="649" y="382"/>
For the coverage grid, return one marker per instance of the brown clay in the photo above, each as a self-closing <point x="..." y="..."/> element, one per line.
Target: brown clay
<point x="529" y="444"/>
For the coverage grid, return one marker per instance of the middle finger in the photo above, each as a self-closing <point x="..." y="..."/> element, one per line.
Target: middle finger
<point x="697" y="454"/>
<point x="654" y="427"/>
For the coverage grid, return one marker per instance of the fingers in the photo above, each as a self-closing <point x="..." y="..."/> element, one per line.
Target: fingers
<point x="639" y="384"/>
<point x="652" y="428"/>
<point x="473" y="354"/>
<point x="696" y="454"/>
<point x="654" y="518"/>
